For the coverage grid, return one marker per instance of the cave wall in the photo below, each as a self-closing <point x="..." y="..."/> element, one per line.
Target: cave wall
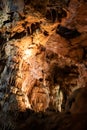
<point x="13" y="5"/>
<point x="39" y="68"/>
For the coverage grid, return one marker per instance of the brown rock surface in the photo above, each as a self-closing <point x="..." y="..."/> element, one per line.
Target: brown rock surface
<point x="76" y="103"/>
<point x="39" y="69"/>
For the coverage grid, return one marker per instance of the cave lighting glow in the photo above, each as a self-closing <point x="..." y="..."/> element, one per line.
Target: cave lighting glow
<point x="28" y="53"/>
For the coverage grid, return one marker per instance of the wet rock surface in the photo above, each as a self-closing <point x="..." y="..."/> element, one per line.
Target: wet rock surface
<point x="43" y="73"/>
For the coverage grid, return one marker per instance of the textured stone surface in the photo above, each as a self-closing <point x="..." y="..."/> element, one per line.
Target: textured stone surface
<point x="39" y="69"/>
<point x="76" y="102"/>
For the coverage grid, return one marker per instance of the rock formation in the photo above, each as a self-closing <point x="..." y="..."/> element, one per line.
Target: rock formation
<point x="76" y="103"/>
<point x="40" y="67"/>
